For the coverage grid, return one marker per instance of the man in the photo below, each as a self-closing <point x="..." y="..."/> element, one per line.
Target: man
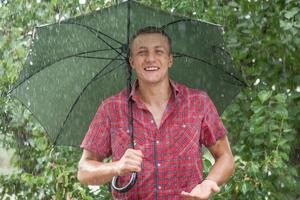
<point x="171" y="122"/>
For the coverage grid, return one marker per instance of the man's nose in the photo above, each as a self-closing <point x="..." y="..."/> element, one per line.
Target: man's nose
<point x="150" y="57"/>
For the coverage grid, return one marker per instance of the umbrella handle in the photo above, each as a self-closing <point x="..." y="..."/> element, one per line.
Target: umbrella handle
<point x="127" y="187"/>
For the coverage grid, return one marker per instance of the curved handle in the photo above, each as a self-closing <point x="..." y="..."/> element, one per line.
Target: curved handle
<point x="127" y="187"/>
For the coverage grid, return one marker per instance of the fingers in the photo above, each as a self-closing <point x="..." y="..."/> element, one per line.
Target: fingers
<point x="135" y="152"/>
<point x="187" y="195"/>
<point x="190" y="196"/>
<point x="131" y="161"/>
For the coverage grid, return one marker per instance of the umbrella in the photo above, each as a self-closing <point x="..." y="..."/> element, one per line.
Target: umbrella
<point x="74" y="64"/>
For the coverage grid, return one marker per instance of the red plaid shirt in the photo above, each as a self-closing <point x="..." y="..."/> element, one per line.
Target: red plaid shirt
<point x="173" y="152"/>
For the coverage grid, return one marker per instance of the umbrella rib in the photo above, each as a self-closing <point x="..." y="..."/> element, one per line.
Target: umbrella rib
<point x="204" y="61"/>
<point x="60" y="59"/>
<point x="182" y="20"/>
<point x="82" y="91"/>
<point x="174" y="22"/>
<point x="99" y="32"/>
<point x="100" y="58"/>
<point x="91" y="28"/>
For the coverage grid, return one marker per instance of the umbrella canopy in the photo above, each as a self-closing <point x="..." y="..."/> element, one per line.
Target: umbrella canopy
<point x="75" y="64"/>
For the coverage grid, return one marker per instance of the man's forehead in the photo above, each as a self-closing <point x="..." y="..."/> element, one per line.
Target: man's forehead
<point x="150" y="37"/>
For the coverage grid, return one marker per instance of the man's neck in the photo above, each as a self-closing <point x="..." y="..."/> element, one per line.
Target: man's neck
<point x="155" y="94"/>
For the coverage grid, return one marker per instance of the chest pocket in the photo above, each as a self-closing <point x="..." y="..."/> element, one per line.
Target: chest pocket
<point x="184" y="136"/>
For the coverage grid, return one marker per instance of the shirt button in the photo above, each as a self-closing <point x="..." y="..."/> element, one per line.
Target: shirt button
<point x="158" y="164"/>
<point x="152" y="121"/>
<point x="157" y="142"/>
<point x="183" y="126"/>
<point x="159" y="187"/>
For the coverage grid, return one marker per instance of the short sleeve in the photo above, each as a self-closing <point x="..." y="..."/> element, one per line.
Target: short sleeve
<point x="212" y="126"/>
<point x="97" y="138"/>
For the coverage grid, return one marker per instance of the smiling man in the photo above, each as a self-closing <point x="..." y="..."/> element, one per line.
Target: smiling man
<point x="171" y="123"/>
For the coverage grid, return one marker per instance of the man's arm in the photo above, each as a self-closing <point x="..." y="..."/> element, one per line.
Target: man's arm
<point x="92" y="171"/>
<point x="220" y="172"/>
<point x="224" y="166"/>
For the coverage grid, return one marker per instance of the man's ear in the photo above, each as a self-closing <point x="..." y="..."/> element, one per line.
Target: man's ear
<point x="131" y="62"/>
<point x="171" y="60"/>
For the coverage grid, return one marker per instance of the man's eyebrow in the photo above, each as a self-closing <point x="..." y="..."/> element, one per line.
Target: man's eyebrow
<point x="142" y="47"/>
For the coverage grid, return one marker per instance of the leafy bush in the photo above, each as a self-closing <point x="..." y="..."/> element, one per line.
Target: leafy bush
<point x="263" y="122"/>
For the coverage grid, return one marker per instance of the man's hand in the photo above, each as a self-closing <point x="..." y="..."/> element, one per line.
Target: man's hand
<point x="202" y="191"/>
<point x="131" y="161"/>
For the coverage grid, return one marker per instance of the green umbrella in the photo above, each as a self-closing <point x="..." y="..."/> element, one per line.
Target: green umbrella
<point x="74" y="64"/>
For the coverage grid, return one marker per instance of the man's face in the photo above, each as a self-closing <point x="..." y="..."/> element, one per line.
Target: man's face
<point x="151" y="57"/>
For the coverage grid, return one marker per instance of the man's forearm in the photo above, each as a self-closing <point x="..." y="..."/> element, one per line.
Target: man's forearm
<point x="96" y="173"/>
<point x="222" y="169"/>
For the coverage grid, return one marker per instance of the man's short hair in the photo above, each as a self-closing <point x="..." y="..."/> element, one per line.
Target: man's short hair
<point x="150" y="29"/>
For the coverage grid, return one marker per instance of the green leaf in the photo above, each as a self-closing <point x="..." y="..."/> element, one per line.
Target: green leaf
<point x="281" y="98"/>
<point x="281" y="112"/>
<point x="244" y="188"/>
<point x="264" y="95"/>
<point x="291" y="13"/>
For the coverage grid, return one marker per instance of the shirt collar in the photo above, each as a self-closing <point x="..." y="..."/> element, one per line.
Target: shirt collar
<point x="174" y="87"/>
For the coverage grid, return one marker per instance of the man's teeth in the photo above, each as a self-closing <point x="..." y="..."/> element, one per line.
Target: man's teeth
<point x="151" y="68"/>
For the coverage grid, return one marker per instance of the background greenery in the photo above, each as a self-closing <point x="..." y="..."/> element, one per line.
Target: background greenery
<point x="263" y="121"/>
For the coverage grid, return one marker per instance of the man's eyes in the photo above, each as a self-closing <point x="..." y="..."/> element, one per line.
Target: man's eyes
<point x="141" y="52"/>
<point x="146" y="52"/>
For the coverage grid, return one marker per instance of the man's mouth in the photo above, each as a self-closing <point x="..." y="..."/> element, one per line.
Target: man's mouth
<point x="151" y="68"/>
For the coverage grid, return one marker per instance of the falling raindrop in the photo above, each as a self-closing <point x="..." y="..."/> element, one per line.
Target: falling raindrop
<point x="280" y="59"/>
<point x="27" y="88"/>
<point x="257" y="81"/>
<point x="273" y="87"/>
<point x="28" y="104"/>
<point x="194" y="13"/>
<point x="30" y="63"/>
<point x="57" y="17"/>
<point x="38" y="1"/>
<point x="172" y="9"/>
<point x="222" y="95"/>
<point x="298" y="88"/>
<point x="248" y="16"/>
<point x="253" y="60"/>
<point x="269" y="173"/>
<point x="235" y="9"/>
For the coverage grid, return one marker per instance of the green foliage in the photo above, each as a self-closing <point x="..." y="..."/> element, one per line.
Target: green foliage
<point x="263" y="122"/>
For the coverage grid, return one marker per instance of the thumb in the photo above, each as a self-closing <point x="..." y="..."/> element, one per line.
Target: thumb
<point x="216" y="188"/>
